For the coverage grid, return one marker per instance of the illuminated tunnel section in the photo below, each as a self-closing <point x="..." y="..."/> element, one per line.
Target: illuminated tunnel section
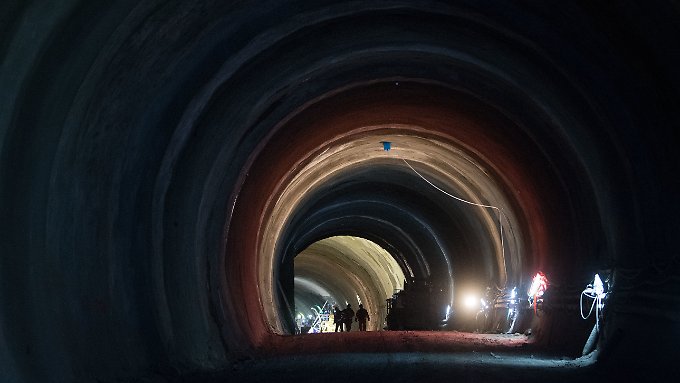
<point x="339" y="181"/>
<point x="357" y="187"/>
<point x="163" y="164"/>
<point x="347" y="270"/>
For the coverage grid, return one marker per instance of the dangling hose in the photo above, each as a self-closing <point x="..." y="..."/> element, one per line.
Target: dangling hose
<point x="500" y="212"/>
<point x="595" y="291"/>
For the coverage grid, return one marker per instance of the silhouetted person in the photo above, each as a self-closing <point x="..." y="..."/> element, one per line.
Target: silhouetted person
<point x="337" y="318"/>
<point x="347" y="316"/>
<point x="362" y="317"/>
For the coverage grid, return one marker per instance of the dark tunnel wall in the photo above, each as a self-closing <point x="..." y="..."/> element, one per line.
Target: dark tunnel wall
<point x="141" y="145"/>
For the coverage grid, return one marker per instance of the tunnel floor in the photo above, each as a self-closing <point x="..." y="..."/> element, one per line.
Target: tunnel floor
<point x="405" y="356"/>
<point x="391" y="341"/>
<point x="406" y="367"/>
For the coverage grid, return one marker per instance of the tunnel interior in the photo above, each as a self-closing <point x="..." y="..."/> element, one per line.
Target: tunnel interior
<point x="430" y="235"/>
<point x="180" y="180"/>
<point x="342" y="270"/>
<point x="346" y="183"/>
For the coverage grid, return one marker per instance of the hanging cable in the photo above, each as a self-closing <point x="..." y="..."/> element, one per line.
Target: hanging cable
<point x="594" y="291"/>
<point x="500" y="211"/>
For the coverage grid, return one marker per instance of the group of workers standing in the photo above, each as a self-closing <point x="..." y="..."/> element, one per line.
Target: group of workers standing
<point x="344" y="318"/>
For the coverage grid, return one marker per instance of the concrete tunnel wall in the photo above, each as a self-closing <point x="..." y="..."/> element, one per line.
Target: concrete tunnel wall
<point x="143" y="146"/>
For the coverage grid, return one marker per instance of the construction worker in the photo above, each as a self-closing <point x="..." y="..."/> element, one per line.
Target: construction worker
<point x="362" y="317"/>
<point x="347" y="316"/>
<point x="337" y="318"/>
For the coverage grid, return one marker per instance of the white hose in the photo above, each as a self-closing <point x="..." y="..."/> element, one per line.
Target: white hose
<point x="500" y="212"/>
<point x="597" y="303"/>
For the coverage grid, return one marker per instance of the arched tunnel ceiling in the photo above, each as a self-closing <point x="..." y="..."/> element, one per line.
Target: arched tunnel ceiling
<point x="146" y="150"/>
<point x="470" y="157"/>
<point x="451" y="167"/>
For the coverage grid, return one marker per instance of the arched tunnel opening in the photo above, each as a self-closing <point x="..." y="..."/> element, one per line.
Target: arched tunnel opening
<point x="344" y="182"/>
<point x="340" y="271"/>
<point x="181" y="182"/>
<point x="377" y="194"/>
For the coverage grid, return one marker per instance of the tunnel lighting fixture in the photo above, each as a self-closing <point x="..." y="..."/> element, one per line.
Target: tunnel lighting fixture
<point x="504" y="299"/>
<point x="597" y="293"/>
<point x="470" y="302"/>
<point x="511" y="301"/>
<point x="598" y="286"/>
<point x="538" y="286"/>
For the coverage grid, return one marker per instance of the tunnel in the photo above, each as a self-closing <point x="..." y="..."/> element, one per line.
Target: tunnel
<point x="181" y="180"/>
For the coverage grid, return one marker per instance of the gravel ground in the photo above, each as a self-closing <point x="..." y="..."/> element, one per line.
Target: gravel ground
<point x="416" y="356"/>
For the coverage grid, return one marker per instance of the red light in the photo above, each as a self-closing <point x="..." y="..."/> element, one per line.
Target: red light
<point x="538" y="286"/>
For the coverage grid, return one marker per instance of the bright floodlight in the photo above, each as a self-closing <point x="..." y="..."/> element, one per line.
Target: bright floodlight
<point x="595" y="291"/>
<point x="538" y="285"/>
<point x="470" y="302"/>
<point x="598" y="286"/>
<point x="535" y="284"/>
